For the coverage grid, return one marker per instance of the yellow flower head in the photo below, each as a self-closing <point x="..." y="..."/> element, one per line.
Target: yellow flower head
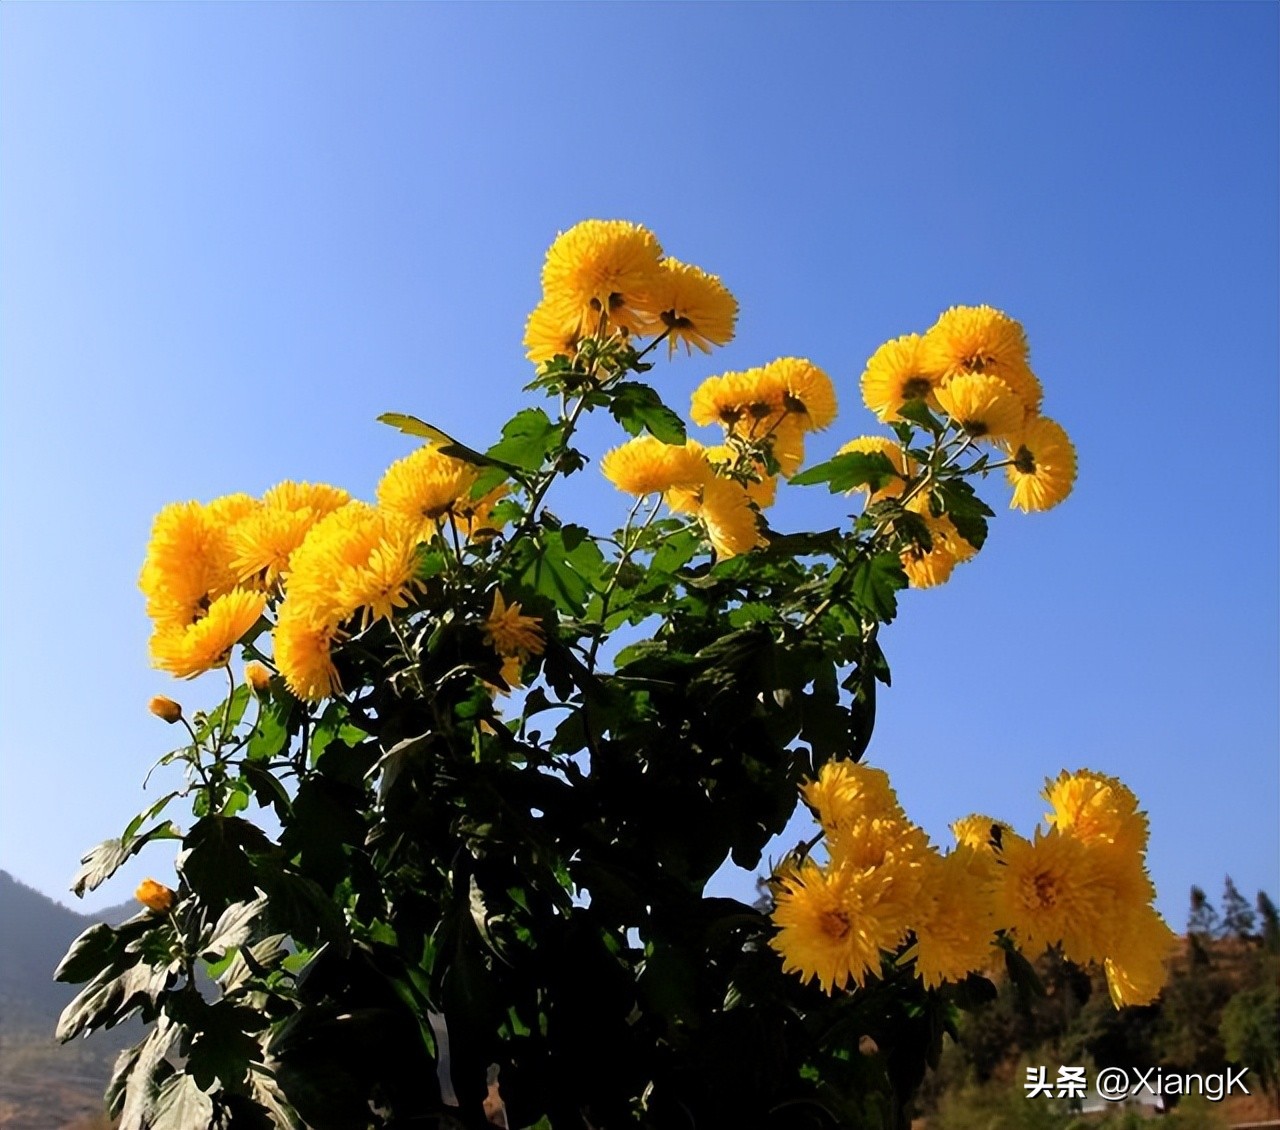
<point x="165" y="709"/>
<point x="388" y="576"/>
<point x="207" y="643"/>
<point x="156" y="897"/>
<point x="981" y="833"/>
<point x="746" y="404"/>
<point x="804" y="391"/>
<point x="1138" y="969"/>
<point x="473" y="517"/>
<point x="551" y="331"/>
<point x="602" y="268"/>
<point x="762" y="490"/>
<point x="645" y="465"/>
<point x="982" y="405"/>
<point x="845" y="792"/>
<point x="1053" y="891"/>
<point x="1097" y="809"/>
<point x="263" y="543"/>
<point x="891" y="450"/>
<point x="257" y="677"/>
<point x="188" y="562"/>
<point x="425" y="486"/>
<point x="828" y="928"/>
<point x="980" y="339"/>
<point x="955" y="924"/>
<point x="1043" y="470"/>
<point x="304" y="654"/>
<point x="511" y="634"/>
<point x="934" y="566"/>
<point x="318" y="498"/>
<point x="724" y="508"/>
<point x="894" y="374"/>
<point x="693" y="306"/>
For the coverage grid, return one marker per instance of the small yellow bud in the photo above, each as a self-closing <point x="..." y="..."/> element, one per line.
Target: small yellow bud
<point x="257" y="676"/>
<point x="165" y="708"/>
<point x="154" y="896"/>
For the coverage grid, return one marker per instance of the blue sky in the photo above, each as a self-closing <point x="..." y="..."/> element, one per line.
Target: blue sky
<point x="232" y="235"/>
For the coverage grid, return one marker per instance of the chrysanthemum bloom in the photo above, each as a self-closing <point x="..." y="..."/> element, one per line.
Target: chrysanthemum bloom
<point x="257" y="677"/>
<point x="319" y="498"/>
<point x="692" y="306"/>
<point x="1138" y="969"/>
<point x="955" y="924"/>
<point x="980" y="339"/>
<point x="263" y="544"/>
<point x="304" y="654"/>
<point x="1050" y="892"/>
<point x="732" y="525"/>
<point x="422" y="488"/>
<point x="895" y="374"/>
<point x="934" y="566"/>
<point x="207" y="643"/>
<point x="982" y="833"/>
<point x="746" y="404"/>
<point x="805" y="391"/>
<point x="154" y="896"/>
<point x="1097" y="809"/>
<point x="827" y="928"/>
<point x="510" y="633"/>
<point x="1043" y="469"/>
<point x="387" y="578"/>
<point x="845" y="792"/>
<point x="188" y="559"/>
<point x="165" y="709"/>
<point x="473" y="517"/>
<point x="982" y="405"/>
<point x="551" y="331"/>
<point x="645" y="465"/>
<point x="602" y="268"/>
<point x="881" y="445"/>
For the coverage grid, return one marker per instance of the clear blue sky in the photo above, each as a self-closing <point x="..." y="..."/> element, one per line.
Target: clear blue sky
<point x="231" y="235"/>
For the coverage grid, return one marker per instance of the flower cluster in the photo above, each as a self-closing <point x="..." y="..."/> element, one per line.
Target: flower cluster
<point x="324" y="565"/>
<point x="1082" y="885"/>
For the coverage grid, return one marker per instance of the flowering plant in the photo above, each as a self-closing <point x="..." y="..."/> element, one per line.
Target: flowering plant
<point x="502" y="756"/>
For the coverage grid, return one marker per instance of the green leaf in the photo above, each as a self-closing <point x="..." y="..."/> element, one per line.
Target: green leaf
<point x="110" y="855"/>
<point x="412" y="426"/>
<point x="110" y="997"/>
<point x="966" y="510"/>
<point x="180" y="1105"/>
<point x="234" y="928"/>
<point x="637" y="407"/>
<point x="527" y="439"/>
<point x="563" y="575"/>
<point x="874" y="583"/>
<point x="853" y="469"/>
<point x="918" y="413"/>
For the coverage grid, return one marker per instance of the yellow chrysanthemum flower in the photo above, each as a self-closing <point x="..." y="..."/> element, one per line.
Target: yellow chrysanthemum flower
<point x="199" y="647"/>
<point x="645" y="465"/>
<point x="1053" y="891"/>
<point x="805" y="391"/>
<point x="981" y="833"/>
<point x="891" y="450"/>
<point x="388" y="577"/>
<point x="845" y="792"/>
<point x="981" y="339"/>
<point x="828" y="928"/>
<point x="1097" y="809"/>
<point x="982" y="405"/>
<point x="1138" y="969"/>
<point x="164" y="708"/>
<point x="746" y="403"/>
<point x="602" y="268"/>
<point x="928" y="568"/>
<point x="304" y="654"/>
<point x="188" y="559"/>
<point x="762" y="489"/>
<point x="473" y="517"/>
<point x="955" y="923"/>
<point x="257" y="677"/>
<point x="511" y="634"/>
<point x="786" y="444"/>
<point x="693" y="306"/>
<point x="550" y="332"/>
<point x="1043" y="470"/>
<point x="424" y="487"/>
<point x="264" y="541"/>
<point x="894" y="374"/>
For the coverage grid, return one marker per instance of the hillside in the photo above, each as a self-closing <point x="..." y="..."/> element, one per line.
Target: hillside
<point x="44" y="1085"/>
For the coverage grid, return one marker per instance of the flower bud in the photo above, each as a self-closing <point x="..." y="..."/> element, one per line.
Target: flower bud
<point x="257" y="676"/>
<point x="165" y="708"/>
<point x="154" y="896"/>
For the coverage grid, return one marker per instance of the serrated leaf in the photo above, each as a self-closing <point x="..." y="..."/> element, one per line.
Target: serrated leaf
<point x="180" y="1105"/>
<point x="233" y="928"/>
<point x="527" y="439"/>
<point x="108" y="857"/>
<point x="918" y="413"/>
<point x="412" y="426"/>
<point x="874" y="583"/>
<point x="853" y="469"/>
<point x="637" y="407"/>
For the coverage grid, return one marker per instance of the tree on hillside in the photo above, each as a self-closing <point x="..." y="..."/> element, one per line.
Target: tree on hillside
<point x="1202" y="922"/>
<point x="1237" y="915"/>
<point x="1269" y="919"/>
<point x="1250" y="1032"/>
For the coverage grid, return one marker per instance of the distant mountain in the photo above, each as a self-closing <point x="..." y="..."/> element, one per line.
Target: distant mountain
<point x="35" y="932"/>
